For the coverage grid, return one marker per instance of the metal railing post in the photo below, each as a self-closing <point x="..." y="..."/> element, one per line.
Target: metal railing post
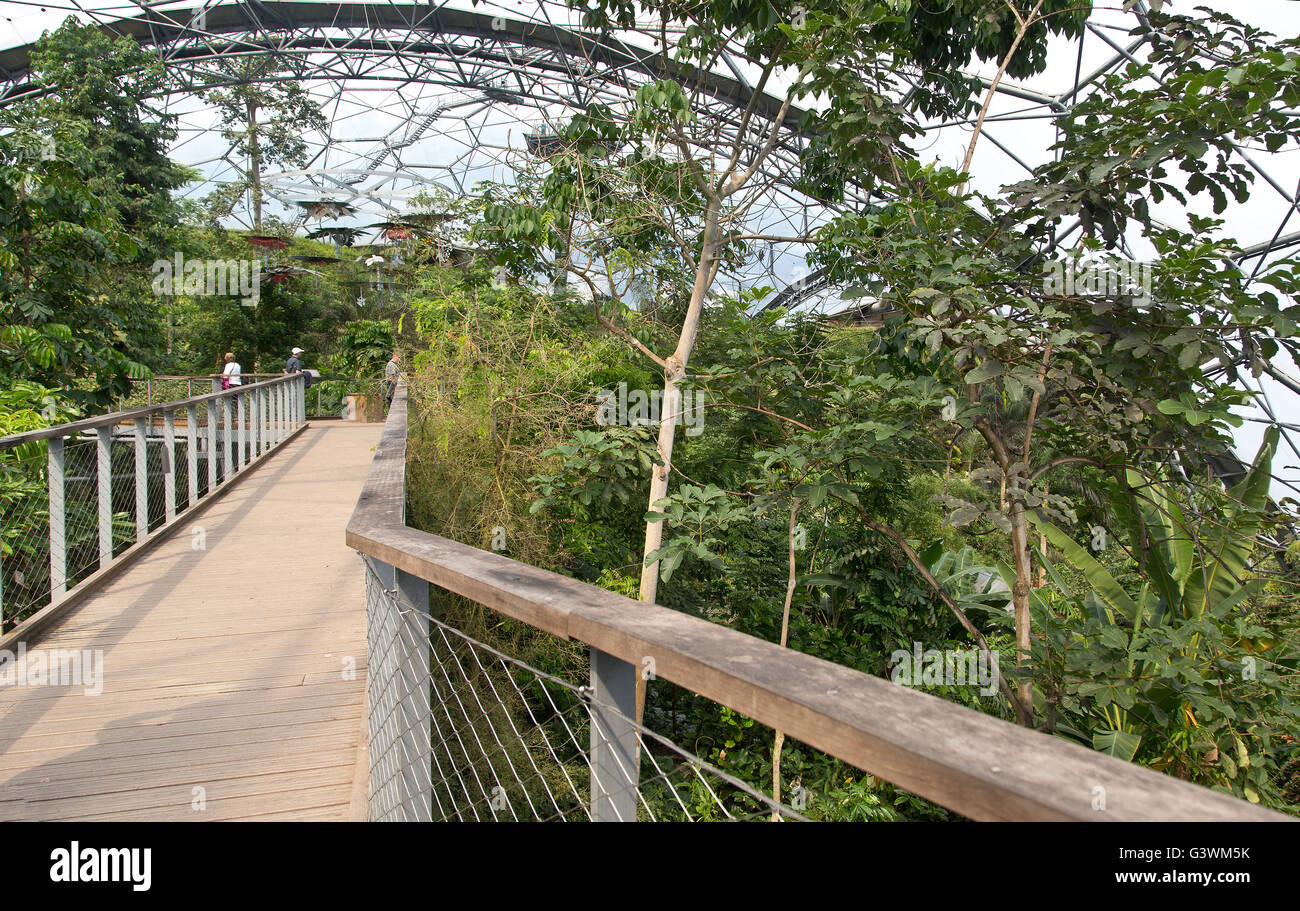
<point x="212" y="446"/>
<point x="141" y="480"/>
<point x="192" y="451"/>
<point x="401" y="689"/>
<point x="242" y="431"/>
<point x="254" y="430"/>
<point x="414" y="591"/>
<point x="228" y="441"/>
<point x="615" y="759"/>
<point x="104" y="466"/>
<point x="58" y="539"/>
<point x="169" y="466"/>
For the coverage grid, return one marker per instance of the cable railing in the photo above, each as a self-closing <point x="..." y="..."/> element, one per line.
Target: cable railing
<point x="460" y="730"/>
<point x="78" y="499"/>
<point x="465" y="729"/>
<point x="159" y="388"/>
<point x="354" y="398"/>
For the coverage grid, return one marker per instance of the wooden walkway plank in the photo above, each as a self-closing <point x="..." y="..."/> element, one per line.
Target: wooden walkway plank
<point x="238" y="669"/>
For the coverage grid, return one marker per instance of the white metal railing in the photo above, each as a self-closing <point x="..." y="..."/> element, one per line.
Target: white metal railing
<point x="77" y="497"/>
<point x="325" y="399"/>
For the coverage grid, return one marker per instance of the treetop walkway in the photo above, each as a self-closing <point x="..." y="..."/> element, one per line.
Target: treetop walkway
<point x="189" y="635"/>
<point x="222" y="668"/>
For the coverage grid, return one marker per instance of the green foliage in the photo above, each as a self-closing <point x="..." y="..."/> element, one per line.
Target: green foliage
<point x="301" y="310"/>
<point x="107" y="83"/>
<point x="268" y="118"/>
<point x="1177" y="675"/>
<point x="974" y="586"/>
<point x="1188" y="695"/>
<point x="364" y="347"/>
<point x="58" y="235"/>
<point x="1189" y="569"/>
<point x="702" y="513"/>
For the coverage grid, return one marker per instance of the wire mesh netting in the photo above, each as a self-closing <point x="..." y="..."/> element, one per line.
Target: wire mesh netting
<point x="157" y="390"/>
<point x="24" y="535"/>
<point x="461" y="730"/>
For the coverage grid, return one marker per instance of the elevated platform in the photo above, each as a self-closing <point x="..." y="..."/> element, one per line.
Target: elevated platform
<point x="233" y="664"/>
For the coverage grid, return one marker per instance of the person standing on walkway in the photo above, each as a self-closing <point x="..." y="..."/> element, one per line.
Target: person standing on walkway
<point x="230" y="373"/>
<point x="294" y="364"/>
<point x="392" y="371"/>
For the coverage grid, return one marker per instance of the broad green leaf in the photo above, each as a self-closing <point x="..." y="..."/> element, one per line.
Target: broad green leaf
<point x="1102" y="582"/>
<point x="1120" y="744"/>
<point x="985" y="371"/>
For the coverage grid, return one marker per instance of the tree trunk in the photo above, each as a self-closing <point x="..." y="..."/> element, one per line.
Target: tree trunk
<point x="1024" y="702"/>
<point x="1020" y="599"/>
<point x="654" y="531"/>
<point x="671" y="404"/>
<point x="254" y="166"/>
<point x="779" y="740"/>
<point x="674" y="371"/>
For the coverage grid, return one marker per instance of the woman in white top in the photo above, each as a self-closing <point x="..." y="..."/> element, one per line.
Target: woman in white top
<point x="230" y="375"/>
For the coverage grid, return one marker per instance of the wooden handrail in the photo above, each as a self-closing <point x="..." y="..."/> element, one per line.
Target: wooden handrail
<point x="972" y="763"/>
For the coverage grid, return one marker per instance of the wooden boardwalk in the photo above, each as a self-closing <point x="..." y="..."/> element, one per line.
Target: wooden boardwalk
<point x="226" y="686"/>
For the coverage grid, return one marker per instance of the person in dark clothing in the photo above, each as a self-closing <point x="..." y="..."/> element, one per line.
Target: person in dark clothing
<point x="392" y="371"/>
<point x="294" y="364"/>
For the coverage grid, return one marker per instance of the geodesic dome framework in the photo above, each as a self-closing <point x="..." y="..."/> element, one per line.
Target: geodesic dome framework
<point x="447" y="94"/>
<point x="421" y="94"/>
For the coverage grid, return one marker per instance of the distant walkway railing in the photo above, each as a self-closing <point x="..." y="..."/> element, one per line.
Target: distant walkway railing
<point x="327" y="397"/>
<point x="75" y="499"/>
<point x="168" y="388"/>
<point x="460" y="729"/>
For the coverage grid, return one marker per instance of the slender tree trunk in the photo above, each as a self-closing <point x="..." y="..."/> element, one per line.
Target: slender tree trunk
<point x="254" y="166"/>
<point x="674" y="372"/>
<point x="1042" y="546"/>
<point x="785" y="638"/>
<point x="654" y="531"/>
<point x="1024" y="702"/>
<point x="1020" y="600"/>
